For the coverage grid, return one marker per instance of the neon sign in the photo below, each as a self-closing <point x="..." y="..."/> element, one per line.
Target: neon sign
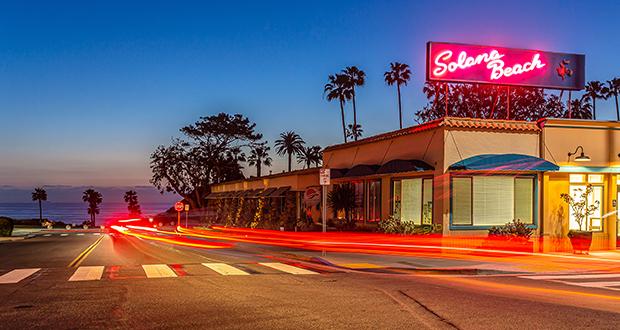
<point x="504" y="66"/>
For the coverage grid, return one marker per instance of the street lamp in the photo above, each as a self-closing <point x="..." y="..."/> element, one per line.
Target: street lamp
<point x="581" y="158"/>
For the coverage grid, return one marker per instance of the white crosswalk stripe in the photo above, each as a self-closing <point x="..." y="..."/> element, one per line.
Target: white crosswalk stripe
<point x="80" y="234"/>
<point x="87" y="273"/>
<point x="96" y="234"/>
<point x="63" y="235"/>
<point x="287" y="268"/>
<point x="17" y="275"/>
<point x="158" y="271"/>
<point x="582" y="280"/>
<point x="47" y="235"/>
<point x="225" y="269"/>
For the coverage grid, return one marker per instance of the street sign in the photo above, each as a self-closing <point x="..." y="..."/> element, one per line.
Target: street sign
<point x="186" y="207"/>
<point x="324" y="176"/>
<point x="179" y="206"/>
<point x="460" y="63"/>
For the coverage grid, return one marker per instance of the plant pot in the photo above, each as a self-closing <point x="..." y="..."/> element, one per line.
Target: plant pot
<point x="580" y="240"/>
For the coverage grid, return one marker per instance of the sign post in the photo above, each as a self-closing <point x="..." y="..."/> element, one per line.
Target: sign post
<point x="186" y="214"/>
<point x="179" y="206"/>
<point x="324" y="179"/>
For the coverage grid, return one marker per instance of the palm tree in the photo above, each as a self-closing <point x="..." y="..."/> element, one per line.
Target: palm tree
<point x="595" y="90"/>
<point x="354" y="131"/>
<point x="309" y="156"/>
<point x="342" y="197"/>
<point x="289" y="143"/>
<point x="355" y="77"/>
<point x="613" y="89"/>
<point x="133" y="206"/>
<point x="39" y="194"/>
<point x="337" y="89"/>
<point x="259" y="155"/>
<point x="399" y="74"/>
<point x="581" y="108"/>
<point x="93" y="198"/>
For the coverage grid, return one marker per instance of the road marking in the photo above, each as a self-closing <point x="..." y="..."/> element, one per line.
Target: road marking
<point x="87" y="273"/>
<point x="570" y="277"/>
<point x="362" y="265"/>
<point x="80" y="234"/>
<point x="596" y="284"/>
<point x="17" y="275"/>
<point x="78" y="260"/>
<point x="47" y="235"/>
<point x="287" y="268"/>
<point x="157" y="271"/>
<point x="225" y="269"/>
<point x="96" y="234"/>
<point x="63" y="235"/>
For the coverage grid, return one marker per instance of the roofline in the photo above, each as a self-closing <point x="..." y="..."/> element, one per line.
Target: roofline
<point x="555" y="122"/>
<point x="277" y="175"/>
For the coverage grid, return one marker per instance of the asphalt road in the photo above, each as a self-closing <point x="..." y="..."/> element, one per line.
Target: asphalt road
<point x="127" y="282"/>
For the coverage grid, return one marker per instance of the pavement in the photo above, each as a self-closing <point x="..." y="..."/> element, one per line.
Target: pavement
<point x="85" y="279"/>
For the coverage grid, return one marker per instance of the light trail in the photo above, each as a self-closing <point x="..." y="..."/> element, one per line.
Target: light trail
<point x="175" y="240"/>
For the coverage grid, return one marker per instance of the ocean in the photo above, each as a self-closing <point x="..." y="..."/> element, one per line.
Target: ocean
<point x="75" y="212"/>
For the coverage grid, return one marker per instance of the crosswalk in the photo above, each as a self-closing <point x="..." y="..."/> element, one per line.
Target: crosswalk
<point x="152" y="271"/>
<point x="607" y="281"/>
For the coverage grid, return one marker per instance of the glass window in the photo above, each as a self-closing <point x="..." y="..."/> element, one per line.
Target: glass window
<point x="427" y="201"/>
<point x="524" y="199"/>
<point x="358" y="212"/>
<point x="595" y="178"/>
<point x="396" y="193"/>
<point x="461" y="201"/>
<point x="411" y="210"/>
<point x="374" y="200"/>
<point x="492" y="200"/>
<point x="594" y="221"/>
<point x="577" y="178"/>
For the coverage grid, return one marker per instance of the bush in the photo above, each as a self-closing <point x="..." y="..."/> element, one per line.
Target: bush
<point x="395" y="226"/>
<point x="512" y="230"/>
<point x="6" y="226"/>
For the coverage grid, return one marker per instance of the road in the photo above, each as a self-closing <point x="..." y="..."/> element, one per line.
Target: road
<point x="83" y="280"/>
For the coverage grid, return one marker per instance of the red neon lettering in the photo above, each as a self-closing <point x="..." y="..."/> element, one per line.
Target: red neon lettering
<point x="493" y="59"/>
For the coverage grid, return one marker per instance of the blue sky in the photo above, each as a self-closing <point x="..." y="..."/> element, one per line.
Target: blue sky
<point x="87" y="91"/>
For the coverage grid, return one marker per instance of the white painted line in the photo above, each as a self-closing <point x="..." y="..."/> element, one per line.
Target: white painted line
<point x="570" y="277"/>
<point x="287" y="268"/>
<point x="225" y="269"/>
<point x="80" y="234"/>
<point x="63" y="235"/>
<point x="157" y="271"/>
<point x="87" y="273"/>
<point x="96" y="234"/>
<point x="594" y="284"/>
<point x="17" y="275"/>
<point x="47" y="235"/>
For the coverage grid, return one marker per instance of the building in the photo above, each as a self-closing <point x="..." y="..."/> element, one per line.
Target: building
<point x="465" y="175"/>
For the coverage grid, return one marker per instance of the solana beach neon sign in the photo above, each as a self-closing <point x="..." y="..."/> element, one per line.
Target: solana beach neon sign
<point x="459" y="63"/>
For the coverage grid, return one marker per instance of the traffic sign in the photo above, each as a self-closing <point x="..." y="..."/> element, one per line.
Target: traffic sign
<point x="324" y="176"/>
<point x="179" y="206"/>
<point x="186" y="207"/>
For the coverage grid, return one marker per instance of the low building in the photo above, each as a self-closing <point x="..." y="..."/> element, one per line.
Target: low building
<point x="465" y="175"/>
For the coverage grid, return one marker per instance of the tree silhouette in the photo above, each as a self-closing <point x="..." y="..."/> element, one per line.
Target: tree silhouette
<point x="259" y="155"/>
<point x="93" y="198"/>
<point x="39" y="195"/>
<point x="355" y="77"/>
<point x="399" y="74"/>
<point x="133" y="206"/>
<point x="289" y="143"/>
<point x="309" y="156"/>
<point x="613" y="89"/>
<point x="338" y="89"/>
<point x="595" y="90"/>
<point x="354" y="132"/>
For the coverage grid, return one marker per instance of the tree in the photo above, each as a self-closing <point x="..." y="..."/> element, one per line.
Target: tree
<point x="211" y="152"/>
<point x="289" y="143"/>
<point x="613" y="89"/>
<point x="355" y="77"/>
<point x="39" y="195"/>
<point x="309" y="156"/>
<point x="259" y="155"/>
<point x="354" y="131"/>
<point x="93" y="198"/>
<point x="342" y="198"/>
<point x="337" y="89"/>
<point x="581" y="108"/>
<point x="399" y="74"/>
<point x="133" y="206"/>
<point x="595" y="90"/>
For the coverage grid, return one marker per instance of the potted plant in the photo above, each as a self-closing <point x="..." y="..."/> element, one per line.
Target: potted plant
<point x="581" y="239"/>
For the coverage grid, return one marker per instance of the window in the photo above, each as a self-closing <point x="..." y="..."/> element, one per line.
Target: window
<point x="594" y="221"/>
<point x="492" y="200"/>
<point x="358" y="211"/>
<point x="374" y="200"/>
<point x="412" y="200"/>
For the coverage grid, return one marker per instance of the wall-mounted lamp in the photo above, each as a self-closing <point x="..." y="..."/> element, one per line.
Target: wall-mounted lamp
<point x="581" y="158"/>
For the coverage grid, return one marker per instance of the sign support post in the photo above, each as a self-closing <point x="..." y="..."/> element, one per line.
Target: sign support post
<point x="179" y="206"/>
<point x="324" y="179"/>
<point x="186" y="214"/>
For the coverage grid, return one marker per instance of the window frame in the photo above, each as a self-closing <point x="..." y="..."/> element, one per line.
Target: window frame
<point x="472" y="225"/>
<point x="422" y="178"/>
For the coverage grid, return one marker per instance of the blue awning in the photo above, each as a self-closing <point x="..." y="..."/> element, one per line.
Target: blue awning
<point x="504" y="162"/>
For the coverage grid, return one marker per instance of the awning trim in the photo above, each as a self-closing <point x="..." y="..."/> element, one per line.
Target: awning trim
<point x="504" y="162"/>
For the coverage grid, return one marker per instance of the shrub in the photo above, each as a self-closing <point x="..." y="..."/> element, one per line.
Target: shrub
<point x="6" y="226"/>
<point x="392" y="225"/>
<point x="511" y="230"/>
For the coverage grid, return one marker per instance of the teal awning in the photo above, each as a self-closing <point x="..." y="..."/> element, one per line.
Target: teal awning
<point x="504" y="162"/>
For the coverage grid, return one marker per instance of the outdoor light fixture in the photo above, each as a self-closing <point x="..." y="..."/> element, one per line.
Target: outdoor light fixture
<point x="581" y="158"/>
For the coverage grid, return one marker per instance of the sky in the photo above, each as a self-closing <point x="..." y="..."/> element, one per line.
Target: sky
<point x="87" y="91"/>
